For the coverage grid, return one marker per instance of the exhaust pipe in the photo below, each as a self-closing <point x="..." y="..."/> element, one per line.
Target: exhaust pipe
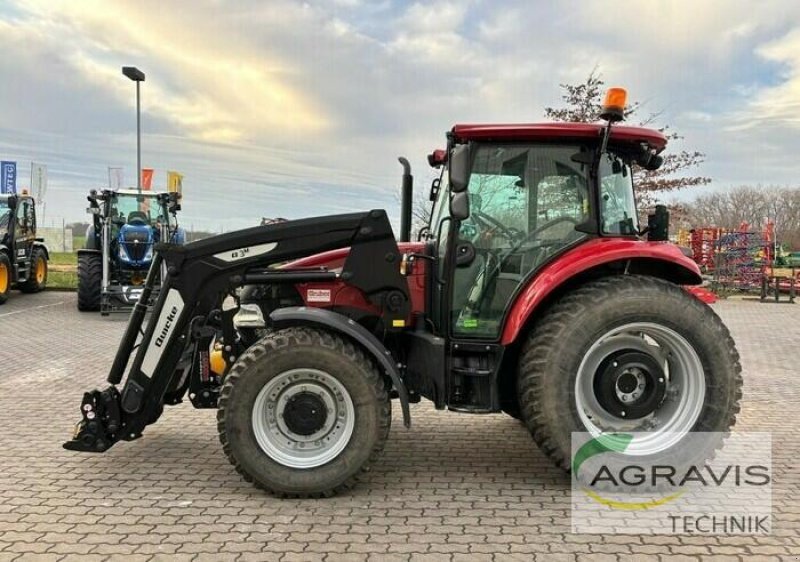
<point x="406" y="196"/>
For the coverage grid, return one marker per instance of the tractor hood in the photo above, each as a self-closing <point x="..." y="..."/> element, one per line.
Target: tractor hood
<point x="334" y="259"/>
<point x="136" y="245"/>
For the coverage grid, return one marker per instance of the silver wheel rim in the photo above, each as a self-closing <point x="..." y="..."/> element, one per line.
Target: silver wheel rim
<point x="685" y="387"/>
<point x="292" y="449"/>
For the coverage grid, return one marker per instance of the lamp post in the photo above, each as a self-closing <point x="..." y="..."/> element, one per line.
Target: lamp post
<point x="137" y="76"/>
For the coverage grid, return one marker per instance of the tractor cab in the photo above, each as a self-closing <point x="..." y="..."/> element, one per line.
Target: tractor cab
<point x="526" y="194"/>
<point x="23" y="256"/>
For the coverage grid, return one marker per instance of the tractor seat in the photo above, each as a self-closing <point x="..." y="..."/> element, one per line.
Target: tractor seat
<point x="138" y="217"/>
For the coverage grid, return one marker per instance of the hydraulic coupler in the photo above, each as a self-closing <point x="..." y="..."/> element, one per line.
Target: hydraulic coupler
<point x="101" y="425"/>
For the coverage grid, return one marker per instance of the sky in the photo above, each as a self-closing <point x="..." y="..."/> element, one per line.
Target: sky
<point x="293" y="109"/>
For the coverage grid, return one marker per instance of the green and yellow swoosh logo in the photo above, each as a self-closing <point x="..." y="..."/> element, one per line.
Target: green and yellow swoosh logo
<point x="615" y="443"/>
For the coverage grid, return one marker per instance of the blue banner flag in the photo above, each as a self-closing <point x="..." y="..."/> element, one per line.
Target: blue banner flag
<point x="8" y="183"/>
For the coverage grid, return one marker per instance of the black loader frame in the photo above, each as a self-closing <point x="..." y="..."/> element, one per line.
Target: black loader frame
<point x="171" y="356"/>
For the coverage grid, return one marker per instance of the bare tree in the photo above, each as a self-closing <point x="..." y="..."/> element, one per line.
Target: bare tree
<point x="421" y="209"/>
<point x="754" y="205"/>
<point x="583" y="102"/>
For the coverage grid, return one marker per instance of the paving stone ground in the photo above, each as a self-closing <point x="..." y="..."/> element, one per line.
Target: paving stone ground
<point x="453" y="487"/>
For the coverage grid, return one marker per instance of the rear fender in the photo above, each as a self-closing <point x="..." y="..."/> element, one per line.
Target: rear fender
<point x="596" y="258"/>
<point x="301" y="315"/>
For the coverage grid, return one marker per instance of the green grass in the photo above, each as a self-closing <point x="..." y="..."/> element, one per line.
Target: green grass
<point x="67" y="277"/>
<point x="62" y="280"/>
<point x="63" y="258"/>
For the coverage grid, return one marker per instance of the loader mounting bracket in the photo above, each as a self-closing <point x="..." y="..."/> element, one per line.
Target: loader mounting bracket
<point x="101" y="423"/>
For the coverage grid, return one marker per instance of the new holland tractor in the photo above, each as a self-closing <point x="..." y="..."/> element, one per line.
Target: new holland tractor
<point x="120" y="246"/>
<point x="23" y="256"/>
<point x="535" y="292"/>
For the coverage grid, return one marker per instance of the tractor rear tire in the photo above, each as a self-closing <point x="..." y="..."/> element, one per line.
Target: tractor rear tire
<point x="302" y="413"/>
<point x="559" y="395"/>
<point x="37" y="278"/>
<point x="5" y="277"/>
<point x="90" y="279"/>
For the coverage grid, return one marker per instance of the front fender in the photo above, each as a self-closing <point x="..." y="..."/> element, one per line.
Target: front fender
<point x="43" y="246"/>
<point x="294" y="315"/>
<point x="594" y="258"/>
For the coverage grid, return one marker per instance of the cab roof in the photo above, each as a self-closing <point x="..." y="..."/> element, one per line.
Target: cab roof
<point x="143" y="193"/>
<point x="557" y="131"/>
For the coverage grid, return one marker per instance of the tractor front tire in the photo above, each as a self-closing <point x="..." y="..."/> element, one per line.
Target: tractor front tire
<point x="37" y="278"/>
<point x="302" y="413"/>
<point x="628" y="354"/>
<point x="5" y="277"/>
<point x="90" y="279"/>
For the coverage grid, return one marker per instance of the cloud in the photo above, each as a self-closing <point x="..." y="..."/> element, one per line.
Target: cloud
<point x="295" y="109"/>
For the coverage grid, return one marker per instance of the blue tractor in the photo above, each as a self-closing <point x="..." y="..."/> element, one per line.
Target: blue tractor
<point x="120" y="244"/>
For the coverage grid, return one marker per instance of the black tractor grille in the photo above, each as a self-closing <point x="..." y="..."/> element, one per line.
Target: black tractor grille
<point x="136" y="244"/>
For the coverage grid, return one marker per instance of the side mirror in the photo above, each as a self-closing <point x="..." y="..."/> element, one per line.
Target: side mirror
<point x="12" y="202"/>
<point x="658" y="225"/>
<point x="459" y="168"/>
<point x="649" y="161"/>
<point x="459" y="206"/>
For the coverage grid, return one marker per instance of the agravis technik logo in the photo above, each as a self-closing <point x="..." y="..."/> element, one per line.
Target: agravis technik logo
<point x="709" y="483"/>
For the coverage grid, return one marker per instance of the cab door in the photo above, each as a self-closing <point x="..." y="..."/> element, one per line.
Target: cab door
<point x="525" y="202"/>
<point x="24" y="237"/>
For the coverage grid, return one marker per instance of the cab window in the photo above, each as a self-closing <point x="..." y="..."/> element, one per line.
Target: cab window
<point x="525" y="201"/>
<point x="26" y="217"/>
<point x="618" y="205"/>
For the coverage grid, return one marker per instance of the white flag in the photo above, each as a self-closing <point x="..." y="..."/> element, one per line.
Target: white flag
<point x="38" y="181"/>
<point x="115" y="178"/>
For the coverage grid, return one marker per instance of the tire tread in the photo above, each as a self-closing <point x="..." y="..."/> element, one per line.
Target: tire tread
<point x="287" y="338"/>
<point x="90" y="276"/>
<point x="544" y="338"/>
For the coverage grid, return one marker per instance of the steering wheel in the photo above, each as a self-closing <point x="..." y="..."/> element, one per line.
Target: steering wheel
<point x="545" y="226"/>
<point x="500" y="260"/>
<point x="510" y="233"/>
<point x="534" y="232"/>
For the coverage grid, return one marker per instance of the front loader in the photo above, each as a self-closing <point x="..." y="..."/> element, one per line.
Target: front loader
<point x="534" y="291"/>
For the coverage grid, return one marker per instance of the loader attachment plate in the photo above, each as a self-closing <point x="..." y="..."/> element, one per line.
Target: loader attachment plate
<point x="100" y="425"/>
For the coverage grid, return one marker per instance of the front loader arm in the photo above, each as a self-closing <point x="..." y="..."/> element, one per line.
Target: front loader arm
<point x="199" y="276"/>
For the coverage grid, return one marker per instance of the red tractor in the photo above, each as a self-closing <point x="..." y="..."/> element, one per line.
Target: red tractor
<point x="533" y="292"/>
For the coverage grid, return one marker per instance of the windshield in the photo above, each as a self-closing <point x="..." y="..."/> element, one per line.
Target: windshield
<point x="618" y="205"/>
<point x="135" y="209"/>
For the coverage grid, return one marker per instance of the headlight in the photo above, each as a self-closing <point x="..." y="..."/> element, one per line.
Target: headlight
<point x="149" y="254"/>
<point x="122" y="253"/>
